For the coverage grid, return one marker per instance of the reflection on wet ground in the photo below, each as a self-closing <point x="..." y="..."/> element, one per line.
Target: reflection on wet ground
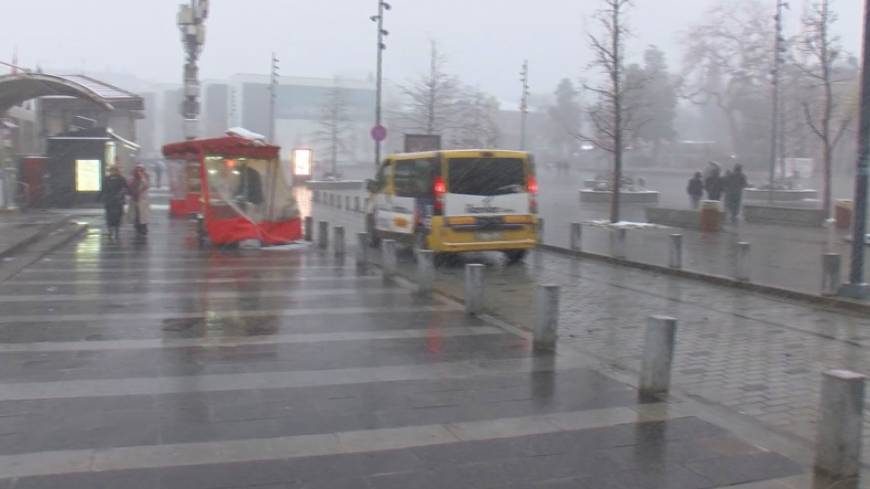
<point x="161" y="365"/>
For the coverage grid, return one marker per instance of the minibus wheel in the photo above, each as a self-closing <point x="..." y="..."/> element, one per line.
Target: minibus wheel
<point x="515" y="256"/>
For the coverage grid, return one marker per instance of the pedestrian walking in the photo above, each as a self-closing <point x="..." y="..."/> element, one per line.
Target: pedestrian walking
<point x="695" y="189"/>
<point x="140" y="205"/>
<point x="713" y="183"/>
<point x="113" y="196"/>
<point x="734" y="184"/>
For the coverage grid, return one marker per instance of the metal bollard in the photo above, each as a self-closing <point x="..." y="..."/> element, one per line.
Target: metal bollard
<point x="323" y="235"/>
<point x="742" y="265"/>
<point x="576" y="237"/>
<point x="841" y="419"/>
<point x="831" y="269"/>
<point x="618" y="238"/>
<point x="473" y="289"/>
<point x="388" y="258"/>
<point x="362" y="249"/>
<point x="425" y="271"/>
<point x="675" y="257"/>
<point x="309" y="228"/>
<point x="658" y="354"/>
<point x="547" y="306"/>
<point x="338" y="236"/>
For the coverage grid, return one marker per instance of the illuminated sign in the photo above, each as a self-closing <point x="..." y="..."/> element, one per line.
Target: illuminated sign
<point x="302" y="162"/>
<point x="89" y="178"/>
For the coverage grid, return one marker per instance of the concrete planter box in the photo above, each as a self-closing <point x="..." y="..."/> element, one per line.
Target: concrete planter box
<point x="786" y="216"/>
<point x="335" y="184"/>
<point x="604" y="197"/>
<point x="780" y="195"/>
<point x="680" y="218"/>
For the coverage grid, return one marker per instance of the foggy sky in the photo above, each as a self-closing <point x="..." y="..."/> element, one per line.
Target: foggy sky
<point x="485" y="41"/>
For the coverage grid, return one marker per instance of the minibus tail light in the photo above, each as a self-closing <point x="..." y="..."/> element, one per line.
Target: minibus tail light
<point x="439" y="188"/>
<point x="533" y="194"/>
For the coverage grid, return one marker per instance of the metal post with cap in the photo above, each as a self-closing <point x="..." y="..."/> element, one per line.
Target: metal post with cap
<point x="857" y="286"/>
<point x="378" y="131"/>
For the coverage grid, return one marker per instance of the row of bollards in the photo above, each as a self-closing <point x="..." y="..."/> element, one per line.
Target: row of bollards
<point x="841" y="411"/>
<point x="339" y="201"/>
<point x="339" y="242"/>
<point x="742" y="271"/>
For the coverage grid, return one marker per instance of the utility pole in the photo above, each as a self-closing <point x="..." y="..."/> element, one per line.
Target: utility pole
<point x="191" y="22"/>
<point x="524" y="104"/>
<point x="273" y="96"/>
<point x="378" y="132"/>
<point x="857" y="286"/>
<point x="778" y="48"/>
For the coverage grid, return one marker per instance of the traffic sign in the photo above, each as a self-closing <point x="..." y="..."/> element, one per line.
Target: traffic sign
<point x="379" y="133"/>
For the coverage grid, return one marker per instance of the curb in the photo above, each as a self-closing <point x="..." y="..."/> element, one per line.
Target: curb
<point x="42" y="233"/>
<point x="75" y="233"/>
<point x="81" y="228"/>
<point x="833" y="302"/>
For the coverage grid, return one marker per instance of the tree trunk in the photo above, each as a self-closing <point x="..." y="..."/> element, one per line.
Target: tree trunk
<point x="617" y="181"/>
<point x="734" y="130"/>
<point x="827" y="156"/>
<point x="615" y="76"/>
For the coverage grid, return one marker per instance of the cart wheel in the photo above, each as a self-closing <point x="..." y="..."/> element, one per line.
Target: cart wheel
<point x="200" y="231"/>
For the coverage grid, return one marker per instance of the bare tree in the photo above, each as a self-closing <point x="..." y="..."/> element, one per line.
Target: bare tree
<point x="611" y="116"/>
<point x="727" y="64"/>
<point x="820" y="50"/>
<point x="476" y="125"/>
<point x="565" y="119"/>
<point x="334" y="124"/>
<point x="430" y="101"/>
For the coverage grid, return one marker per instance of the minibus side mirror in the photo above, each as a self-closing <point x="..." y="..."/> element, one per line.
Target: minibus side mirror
<point x="371" y="185"/>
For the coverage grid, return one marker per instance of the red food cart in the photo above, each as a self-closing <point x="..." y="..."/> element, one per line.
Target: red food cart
<point x="245" y="193"/>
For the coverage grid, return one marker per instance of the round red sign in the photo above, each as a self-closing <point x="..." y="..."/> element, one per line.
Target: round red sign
<point x="379" y="133"/>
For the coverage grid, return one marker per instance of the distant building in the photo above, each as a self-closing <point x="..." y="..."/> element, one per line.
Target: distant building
<point x="509" y="122"/>
<point x="243" y="100"/>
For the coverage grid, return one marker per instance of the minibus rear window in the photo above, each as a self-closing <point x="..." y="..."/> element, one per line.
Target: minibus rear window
<point x="486" y="176"/>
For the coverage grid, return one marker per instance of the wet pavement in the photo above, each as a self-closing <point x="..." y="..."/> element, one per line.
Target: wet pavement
<point x="757" y="356"/>
<point x="161" y="365"/>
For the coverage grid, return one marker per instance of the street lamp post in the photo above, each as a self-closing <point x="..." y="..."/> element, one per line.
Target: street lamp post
<point x="379" y="89"/>
<point x="191" y="22"/>
<point x="524" y="104"/>
<point x="273" y="96"/>
<point x="775" y="136"/>
<point x="857" y="286"/>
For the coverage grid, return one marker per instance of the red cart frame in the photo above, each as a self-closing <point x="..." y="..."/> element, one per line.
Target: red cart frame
<point x="271" y="217"/>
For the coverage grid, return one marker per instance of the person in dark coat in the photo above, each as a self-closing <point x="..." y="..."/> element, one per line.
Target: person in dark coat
<point x="113" y="196"/>
<point x="250" y="190"/>
<point x="695" y="189"/>
<point x="713" y="184"/>
<point x="734" y="185"/>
